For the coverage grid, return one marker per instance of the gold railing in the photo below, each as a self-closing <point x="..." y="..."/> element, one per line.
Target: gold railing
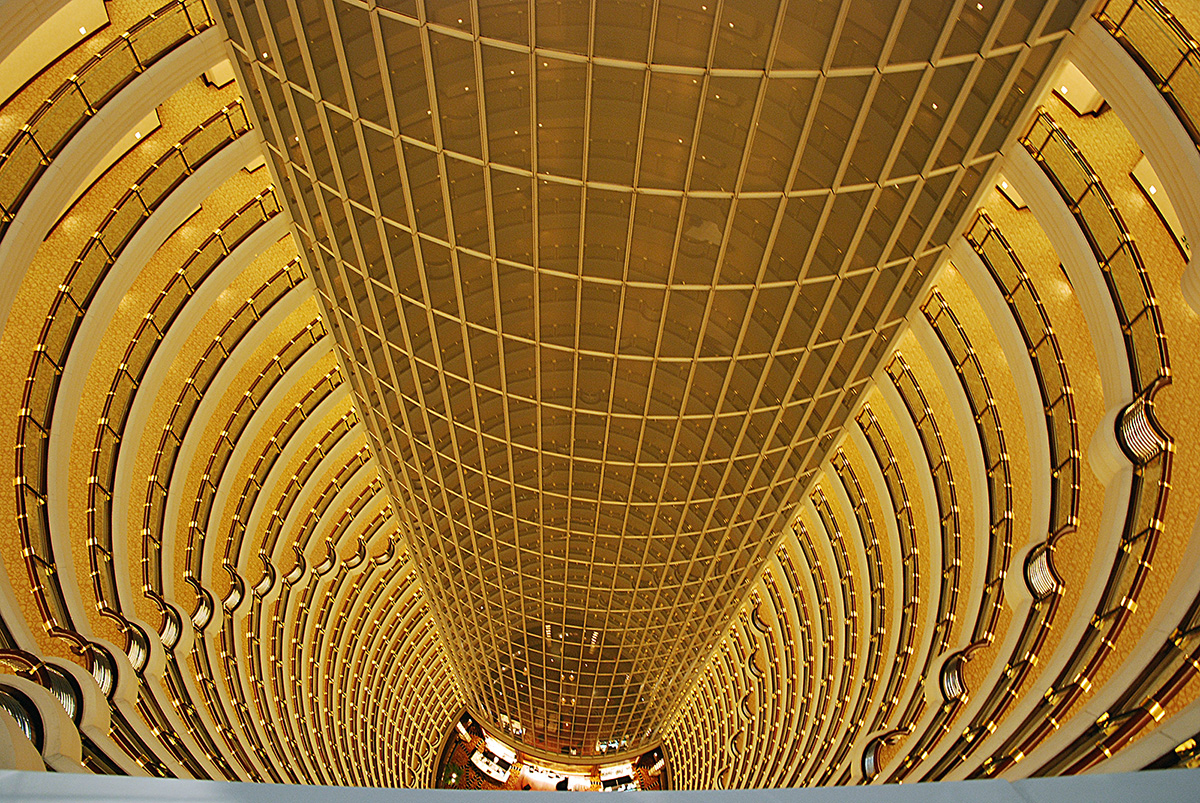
<point x="41" y="139"/>
<point x="946" y="500"/>
<point x="794" y="592"/>
<point x="163" y="312"/>
<point x="946" y="497"/>
<point x="303" y="409"/>
<point x="848" y="617"/>
<point x="1164" y="50"/>
<point x="1145" y="343"/>
<point x="259" y="619"/>
<point x="1059" y="410"/>
<point x="1049" y="367"/>
<point x="910" y="590"/>
<point x="110" y="430"/>
<point x="995" y="457"/>
<point x="872" y="670"/>
<point x="1113" y="246"/>
<point x="76" y="291"/>
<point x="222" y="452"/>
<point x="820" y="701"/>
<point x="238" y="418"/>
<point x="201" y="377"/>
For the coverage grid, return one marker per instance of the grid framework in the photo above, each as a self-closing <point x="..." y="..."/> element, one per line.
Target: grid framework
<point x="601" y="356"/>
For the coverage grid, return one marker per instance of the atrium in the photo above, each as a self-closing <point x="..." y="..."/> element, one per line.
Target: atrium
<point x="606" y="395"/>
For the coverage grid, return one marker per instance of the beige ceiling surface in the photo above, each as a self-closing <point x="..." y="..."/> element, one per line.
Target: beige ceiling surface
<point x="608" y="277"/>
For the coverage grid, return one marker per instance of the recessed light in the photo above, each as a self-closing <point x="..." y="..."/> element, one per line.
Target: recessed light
<point x="935" y="106"/>
<point x="1063" y="89"/>
<point x="1153" y="189"/>
<point x="138" y="135"/>
<point x="83" y="30"/>
<point x="1004" y="185"/>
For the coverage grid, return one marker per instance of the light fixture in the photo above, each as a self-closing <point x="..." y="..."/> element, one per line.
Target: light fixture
<point x="1063" y="89"/>
<point x="83" y="30"/>
<point x="1153" y="189"/>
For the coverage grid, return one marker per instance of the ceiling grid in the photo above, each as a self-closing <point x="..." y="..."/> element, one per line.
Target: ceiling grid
<point x="601" y="357"/>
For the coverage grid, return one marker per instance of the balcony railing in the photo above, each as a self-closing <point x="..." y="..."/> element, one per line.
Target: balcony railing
<point x="995" y="457"/>
<point x="43" y="137"/>
<point x="77" y="289"/>
<point x="946" y="494"/>
<point x="1058" y="406"/>
<point x="910" y="591"/>
<point x="1137" y="312"/>
<point x="1112" y="245"/>
<point x="1049" y="367"/>
<point x="110" y="430"/>
<point x="1164" y="49"/>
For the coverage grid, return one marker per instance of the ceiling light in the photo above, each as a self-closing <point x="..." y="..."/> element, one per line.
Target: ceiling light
<point x="1063" y="89"/>
<point x="83" y="30"/>
<point x="1153" y="189"/>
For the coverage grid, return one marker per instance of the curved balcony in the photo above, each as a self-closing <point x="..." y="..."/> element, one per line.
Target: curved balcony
<point x="1116" y="253"/>
<point x="76" y="291"/>
<point x="1134" y="303"/>
<point x="897" y="490"/>
<point x="40" y="140"/>
<point x="142" y="349"/>
<point x="1165" y="51"/>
